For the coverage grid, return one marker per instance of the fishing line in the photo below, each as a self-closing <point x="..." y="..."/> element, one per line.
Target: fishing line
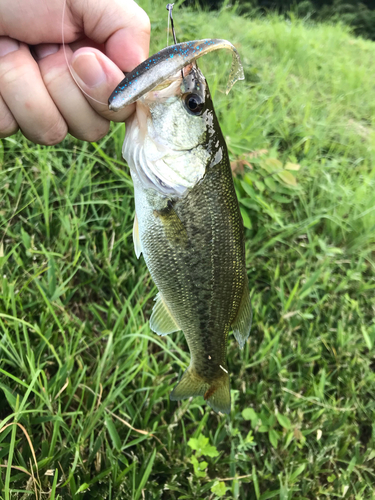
<point x="169" y="9"/>
<point x="168" y="27"/>
<point x="67" y="62"/>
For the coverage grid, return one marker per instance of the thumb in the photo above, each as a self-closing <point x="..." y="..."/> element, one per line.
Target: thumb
<point x="97" y="77"/>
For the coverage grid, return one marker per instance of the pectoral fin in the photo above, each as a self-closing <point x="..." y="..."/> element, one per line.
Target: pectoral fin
<point x="242" y="324"/>
<point x="161" y="321"/>
<point x="174" y="229"/>
<point x="136" y="238"/>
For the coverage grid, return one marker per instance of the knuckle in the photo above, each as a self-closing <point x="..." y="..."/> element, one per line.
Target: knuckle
<point x="52" y="76"/>
<point x="138" y="18"/>
<point x="144" y="23"/>
<point x="8" y="125"/>
<point x="9" y="75"/>
<point x="94" y="134"/>
<point x="54" y="135"/>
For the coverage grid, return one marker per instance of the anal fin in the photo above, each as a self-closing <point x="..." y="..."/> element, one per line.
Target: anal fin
<point x="161" y="321"/>
<point x="136" y="238"/>
<point x="242" y="324"/>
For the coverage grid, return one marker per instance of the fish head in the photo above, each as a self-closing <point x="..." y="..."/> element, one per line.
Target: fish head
<point x="174" y="135"/>
<point x="178" y="109"/>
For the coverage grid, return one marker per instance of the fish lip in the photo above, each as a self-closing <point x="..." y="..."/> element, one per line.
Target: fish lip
<point x="164" y="64"/>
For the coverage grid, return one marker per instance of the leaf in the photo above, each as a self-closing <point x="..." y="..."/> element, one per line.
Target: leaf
<point x="297" y="472"/>
<point x="287" y="178"/>
<point x="194" y="443"/>
<point x="272" y="165"/>
<point x="10" y="397"/>
<point x="234" y="431"/>
<point x="113" y="433"/>
<point x="263" y="428"/>
<point x="270" y="183"/>
<point x="280" y="198"/>
<point x="249" y="414"/>
<point x="26" y="240"/>
<point x="292" y="166"/>
<point x="246" y="219"/>
<point x="273" y="437"/>
<point x="250" y="439"/>
<point x="43" y="462"/>
<point x="367" y="338"/>
<point x="270" y="494"/>
<point x="219" y="489"/>
<point x="211" y="451"/>
<point x="53" y="489"/>
<point x="83" y="487"/>
<point x="250" y="177"/>
<point x="248" y="189"/>
<point x="283" y="421"/>
<point x="145" y="476"/>
<point x="256" y="483"/>
<point x="199" y="467"/>
<point x="260" y="186"/>
<point x="249" y="204"/>
<point x="201" y="446"/>
<point x="305" y="290"/>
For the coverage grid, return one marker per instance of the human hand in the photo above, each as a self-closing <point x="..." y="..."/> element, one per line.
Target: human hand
<point x="38" y="95"/>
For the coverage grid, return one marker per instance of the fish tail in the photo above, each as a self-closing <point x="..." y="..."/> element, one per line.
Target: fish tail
<point x="216" y="393"/>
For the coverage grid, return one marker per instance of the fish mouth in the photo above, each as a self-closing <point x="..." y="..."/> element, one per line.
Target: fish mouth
<point x="172" y="87"/>
<point x="161" y="66"/>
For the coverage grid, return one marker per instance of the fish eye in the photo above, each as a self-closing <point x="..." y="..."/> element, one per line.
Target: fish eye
<point x="194" y="104"/>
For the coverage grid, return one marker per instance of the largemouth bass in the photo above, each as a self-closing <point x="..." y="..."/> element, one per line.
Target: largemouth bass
<point x="188" y="224"/>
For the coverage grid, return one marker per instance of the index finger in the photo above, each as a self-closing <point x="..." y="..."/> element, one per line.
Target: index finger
<point x="121" y="25"/>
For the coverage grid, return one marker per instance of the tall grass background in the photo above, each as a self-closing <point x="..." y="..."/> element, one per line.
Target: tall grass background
<point x="84" y="383"/>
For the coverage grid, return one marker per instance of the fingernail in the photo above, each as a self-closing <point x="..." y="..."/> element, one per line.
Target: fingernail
<point x="45" y="49"/>
<point x="8" y="45"/>
<point x="89" y="69"/>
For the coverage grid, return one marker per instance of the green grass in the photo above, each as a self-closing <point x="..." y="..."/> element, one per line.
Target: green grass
<point x="88" y="383"/>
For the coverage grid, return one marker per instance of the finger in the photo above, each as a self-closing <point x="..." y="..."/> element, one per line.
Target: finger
<point x="26" y="96"/>
<point x="8" y="125"/>
<point x="98" y="76"/>
<point x="82" y="120"/>
<point x="122" y="25"/>
<point x="84" y="41"/>
<point x="38" y="21"/>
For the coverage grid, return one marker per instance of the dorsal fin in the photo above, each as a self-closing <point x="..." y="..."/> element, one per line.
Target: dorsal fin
<point x="242" y="324"/>
<point x="161" y="321"/>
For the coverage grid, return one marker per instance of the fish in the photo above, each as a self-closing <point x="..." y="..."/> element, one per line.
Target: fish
<point x="188" y="224"/>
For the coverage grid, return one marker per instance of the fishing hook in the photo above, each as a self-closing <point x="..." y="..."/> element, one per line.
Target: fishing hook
<point x="169" y="9"/>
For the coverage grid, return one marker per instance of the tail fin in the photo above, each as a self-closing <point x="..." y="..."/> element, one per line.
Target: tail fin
<point x="217" y="394"/>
